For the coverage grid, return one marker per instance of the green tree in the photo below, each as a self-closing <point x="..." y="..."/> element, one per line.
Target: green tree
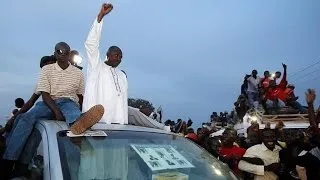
<point x="140" y="103"/>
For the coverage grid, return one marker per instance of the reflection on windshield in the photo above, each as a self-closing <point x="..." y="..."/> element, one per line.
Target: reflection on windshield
<point x="137" y="155"/>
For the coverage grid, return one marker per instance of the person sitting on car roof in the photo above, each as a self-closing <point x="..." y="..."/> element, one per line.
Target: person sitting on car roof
<point x="62" y="87"/>
<point x="272" y="97"/>
<point x="291" y="100"/>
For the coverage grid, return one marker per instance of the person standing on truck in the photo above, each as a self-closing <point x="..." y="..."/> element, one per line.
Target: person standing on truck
<point x="253" y="89"/>
<point x="244" y="86"/>
<point x="266" y="79"/>
<point x="106" y="84"/>
<point x="62" y="87"/>
<point x="278" y="75"/>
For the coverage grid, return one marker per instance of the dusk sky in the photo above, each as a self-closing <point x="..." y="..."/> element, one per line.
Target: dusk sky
<point x="188" y="56"/>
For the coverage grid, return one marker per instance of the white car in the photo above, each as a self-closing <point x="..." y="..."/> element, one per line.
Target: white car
<point x="123" y="152"/>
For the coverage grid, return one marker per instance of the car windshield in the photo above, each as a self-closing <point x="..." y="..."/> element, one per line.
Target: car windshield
<point x="128" y="155"/>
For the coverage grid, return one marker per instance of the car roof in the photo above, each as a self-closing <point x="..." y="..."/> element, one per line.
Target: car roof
<point x="56" y="126"/>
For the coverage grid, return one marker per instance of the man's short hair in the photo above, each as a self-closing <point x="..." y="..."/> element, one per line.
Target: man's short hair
<point x="264" y="131"/>
<point x="168" y="122"/>
<point x="230" y="130"/>
<point x="114" y="49"/>
<point x="45" y="59"/>
<point x="74" y="52"/>
<point x="190" y="130"/>
<point x="62" y="44"/>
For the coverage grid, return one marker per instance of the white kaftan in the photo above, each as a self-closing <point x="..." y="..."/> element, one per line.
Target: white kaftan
<point x="105" y="85"/>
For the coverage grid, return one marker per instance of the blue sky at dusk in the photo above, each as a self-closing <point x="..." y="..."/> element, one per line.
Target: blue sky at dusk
<point x="188" y="56"/>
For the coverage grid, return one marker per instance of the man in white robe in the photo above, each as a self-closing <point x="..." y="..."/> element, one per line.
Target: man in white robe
<point x="106" y="84"/>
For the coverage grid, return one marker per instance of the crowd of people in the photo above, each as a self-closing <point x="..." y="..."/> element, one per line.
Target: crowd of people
<point x="266" y="153"/>
<point x="270" y="92"/>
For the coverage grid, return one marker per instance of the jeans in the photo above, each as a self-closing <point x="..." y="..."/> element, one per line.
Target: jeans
<point x="31" y="146"/>
<point x="297" y="105"/>
<point x="253" y="98"/>
<point x="25" y="122"/>
<point x="275" y="105"/>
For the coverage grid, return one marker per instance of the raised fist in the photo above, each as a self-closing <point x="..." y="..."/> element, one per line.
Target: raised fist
<point x="284" y="66"/>
<point x="105" y="9"/>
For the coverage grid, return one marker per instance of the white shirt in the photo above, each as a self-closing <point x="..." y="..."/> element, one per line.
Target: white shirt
<point x="278" y="80"/>
<point x="105" y="85"/>
<point x="253" y="84"/>
<point x="267" y="156"/>
<point x="137" y="118"/>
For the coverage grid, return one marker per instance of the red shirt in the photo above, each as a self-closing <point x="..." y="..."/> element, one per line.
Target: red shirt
<point x="265" y="82"/>
<point x="275" y="93"/>
<point x="192" y="136"/>
<point x="278" y="92"/>
<point x="234" y="151"/>
<point x="285" y="94"/>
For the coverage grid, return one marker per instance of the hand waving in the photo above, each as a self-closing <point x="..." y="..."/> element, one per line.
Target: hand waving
<point x="310" y="96"/>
